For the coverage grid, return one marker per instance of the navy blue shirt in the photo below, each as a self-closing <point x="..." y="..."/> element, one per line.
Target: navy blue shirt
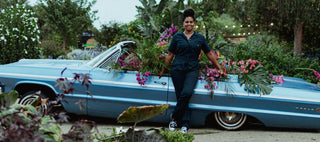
<point x="187" y="51"/>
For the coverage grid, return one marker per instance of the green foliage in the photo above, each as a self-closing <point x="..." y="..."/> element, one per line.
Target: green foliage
<point x="274" y="55"/>
<point x="177" y="136"/>
<point x="107" y="33"/>
<point x="282" y="17"/>
<point x="158" y="135"/>
<point x="69" y="18"/>
<point x="19" y="34"/>
<point x="117" y="33"/>
<point x="110" y="138"/>
<point x="153" y="58"/>
<point x="256" y="81"/>
<point x="149" y="14"/>
<point x="225" y="24"/>
<point x="8" y="99"/>
<point x="52" y="48"/>
<point x="23" y="123"/>
<point x="7" y="3"/>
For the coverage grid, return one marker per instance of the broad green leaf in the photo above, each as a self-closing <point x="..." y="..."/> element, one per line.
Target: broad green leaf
<point x="138" y="114"/>
<point x="8" y="99"/>
<point x="256" y="81"/>
<point x="51" y="131"/>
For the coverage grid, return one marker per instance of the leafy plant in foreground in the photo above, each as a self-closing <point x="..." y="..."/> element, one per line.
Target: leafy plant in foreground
<point x="24" y="123"/>
<point x="138" y="114"/>
<point x="177" y="136"/>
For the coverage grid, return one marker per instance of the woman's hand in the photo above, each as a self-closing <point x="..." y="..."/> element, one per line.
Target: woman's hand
<point x="223" y="72"/>
<point x="161" y="72"/>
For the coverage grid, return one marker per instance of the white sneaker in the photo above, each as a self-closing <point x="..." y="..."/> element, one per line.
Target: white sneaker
<point x="184" y="129"/>
<point x="172" y="126"/>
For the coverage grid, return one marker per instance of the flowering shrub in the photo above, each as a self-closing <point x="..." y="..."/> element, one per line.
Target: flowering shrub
<point x="165" y="37"/>
<point x="19" y="34"/>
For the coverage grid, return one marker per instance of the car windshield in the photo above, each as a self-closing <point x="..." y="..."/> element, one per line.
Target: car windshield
<point x="105" y="58"/>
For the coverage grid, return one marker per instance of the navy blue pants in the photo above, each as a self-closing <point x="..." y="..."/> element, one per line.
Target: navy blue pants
<point x="184" y="83"/>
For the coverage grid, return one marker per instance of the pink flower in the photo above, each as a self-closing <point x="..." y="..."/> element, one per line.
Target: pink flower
<point x="279" y="79"/>
<point x="316" y="74"/>
<point x="241" y="62"/>
<point x="271" y="75"/>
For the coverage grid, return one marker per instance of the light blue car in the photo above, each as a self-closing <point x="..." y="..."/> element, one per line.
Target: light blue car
<point x="293" y="104"/>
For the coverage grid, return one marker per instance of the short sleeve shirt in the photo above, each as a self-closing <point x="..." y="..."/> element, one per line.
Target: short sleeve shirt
<point x="187" y="51"/>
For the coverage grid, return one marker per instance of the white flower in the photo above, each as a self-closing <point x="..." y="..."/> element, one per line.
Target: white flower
<point x="26" y="38"/>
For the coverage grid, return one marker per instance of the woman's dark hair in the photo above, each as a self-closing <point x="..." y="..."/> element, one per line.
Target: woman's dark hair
<point x="188" y="13"/>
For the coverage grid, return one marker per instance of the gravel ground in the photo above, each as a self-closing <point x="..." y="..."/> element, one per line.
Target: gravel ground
<point x="253" y="133"/>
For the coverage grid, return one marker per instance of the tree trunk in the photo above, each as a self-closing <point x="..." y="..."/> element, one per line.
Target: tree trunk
<point x="298" y="29"/>
<point x="64" y="43"/>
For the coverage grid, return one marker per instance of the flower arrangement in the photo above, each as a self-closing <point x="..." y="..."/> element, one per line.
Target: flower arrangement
<point x="150" y="58"/>
<point x="142" y="80"/>
<point x="250" y="74"/>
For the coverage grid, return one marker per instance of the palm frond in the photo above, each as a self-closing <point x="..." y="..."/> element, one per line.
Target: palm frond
<point x="257" y="81"/>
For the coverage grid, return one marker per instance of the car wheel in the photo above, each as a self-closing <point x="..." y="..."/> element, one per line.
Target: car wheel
<point x="28" y="97"/>
<point x="230" y="120"/>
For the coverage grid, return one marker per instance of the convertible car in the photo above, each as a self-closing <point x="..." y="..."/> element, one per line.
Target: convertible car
<point x="293" y="104"/>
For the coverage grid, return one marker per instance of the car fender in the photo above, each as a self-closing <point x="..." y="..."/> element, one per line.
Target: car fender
<point x="37" y="84"/>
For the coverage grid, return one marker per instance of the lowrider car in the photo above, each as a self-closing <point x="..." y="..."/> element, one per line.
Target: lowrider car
<point x="293" y="104"/>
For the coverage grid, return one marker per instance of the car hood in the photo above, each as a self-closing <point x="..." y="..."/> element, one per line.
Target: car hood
<point x="50" y="63"/>
<point x="296" y="89"/>
<point x="45" y="67"/>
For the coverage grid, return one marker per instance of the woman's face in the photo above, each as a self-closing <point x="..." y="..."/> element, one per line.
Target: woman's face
<point x="188" y="24"/>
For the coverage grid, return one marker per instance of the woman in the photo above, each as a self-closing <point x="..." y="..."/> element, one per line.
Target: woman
<point x="186" y="47"/>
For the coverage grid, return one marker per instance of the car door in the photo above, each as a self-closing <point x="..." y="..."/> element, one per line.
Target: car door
<point x="113" y="92"/>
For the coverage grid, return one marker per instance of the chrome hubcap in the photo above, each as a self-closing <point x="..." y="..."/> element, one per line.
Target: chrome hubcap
<point x="230" y="119"/>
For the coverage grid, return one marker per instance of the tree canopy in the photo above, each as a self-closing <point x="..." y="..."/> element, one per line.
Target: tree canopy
<point x="69" y="18"/>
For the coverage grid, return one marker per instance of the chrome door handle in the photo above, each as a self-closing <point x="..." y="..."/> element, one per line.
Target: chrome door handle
<point x="163" y="83"/>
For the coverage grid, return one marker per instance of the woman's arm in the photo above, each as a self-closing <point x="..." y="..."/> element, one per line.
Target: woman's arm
<point x="169" y="58"/>
<point x="213" y="59"/>
<point x="167" y="62"/>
